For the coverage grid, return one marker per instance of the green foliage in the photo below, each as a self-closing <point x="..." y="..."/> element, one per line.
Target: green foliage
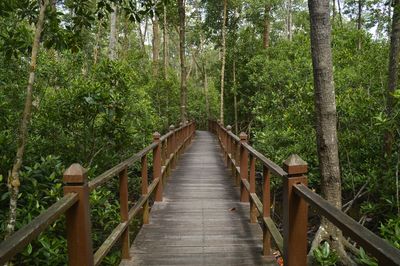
<point x="364" y="259"/>
<point x="324" y="255"/>
<point x="391" y="231"/>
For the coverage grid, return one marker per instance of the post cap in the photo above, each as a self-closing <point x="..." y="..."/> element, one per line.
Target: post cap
<point x="229" y="127"/>
<point x="75" y="174"/>
<point x="156" y="136"/>
<point x="171" y="127"/>
<point x="294" y="165"/>
<point x="243" y="136"/>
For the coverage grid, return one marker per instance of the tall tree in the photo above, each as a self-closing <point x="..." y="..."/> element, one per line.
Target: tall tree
<point x="267" y="25"/>
<point x="112" y="46"/>
<point x="165" y="42"/>
<point x="223" y="57"/>
<point x="359" y="22"/>
<point x="14" y="180"/>
<point x="289" y="20"/>
<point x="156" y="44"/>
<point x="325" y="107"/>
<point x="393" y="73"/>
<point x="181" y="11"/>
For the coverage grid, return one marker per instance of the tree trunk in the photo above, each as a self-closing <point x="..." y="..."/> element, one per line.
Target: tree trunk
<point x="113" y="34"/>
<point x="333" y="10"/>
<point x="181" y="11"/>
<point x="156" y="45"/>
<point x="267" y="26"/>
<point x="359" y="23"/>
<point x="340" y="13"/>
<point x="289" y="20"/>
<point x="165" y="43"/>
<point x="97" y="45"/>
<point x="206" y="92"/>
<point x="325" y="106"/>
<point x="235" y="107"/>
<point x="223" y="55"/>
<point x="393" y="76"/>
<point x="13" y="179"/>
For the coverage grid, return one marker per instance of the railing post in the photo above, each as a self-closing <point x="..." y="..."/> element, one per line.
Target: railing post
<point x="79" y="227"/>
<point x="244" y="194"/>
<point x="266" y="210"/>
<point x="294" y="213"/>
<point x="145" y="189"/>
<point x="237" y="163"/>
<point x="228" y="145"/>
<point x="157" y="166"/>
<point x="173" y="146"/>
<point x="123" y="201"/>
<point x="252" y="181"/>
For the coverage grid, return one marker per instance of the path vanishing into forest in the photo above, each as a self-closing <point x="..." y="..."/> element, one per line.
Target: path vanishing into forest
<point x="201" y="220"/>
<point x="207" y="207"/>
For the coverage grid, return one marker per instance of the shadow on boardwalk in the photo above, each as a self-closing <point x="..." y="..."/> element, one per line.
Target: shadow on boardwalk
<point x="201" y="220"/>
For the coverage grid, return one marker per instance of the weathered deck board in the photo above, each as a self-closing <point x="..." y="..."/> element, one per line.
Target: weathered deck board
<point x="200" y="221"/>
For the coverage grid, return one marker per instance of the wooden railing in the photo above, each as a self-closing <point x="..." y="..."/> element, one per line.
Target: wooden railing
<point x="241" y="158"/>
<point x="75" y="203"/>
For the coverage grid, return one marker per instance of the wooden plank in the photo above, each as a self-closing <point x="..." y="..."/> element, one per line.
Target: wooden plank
<point x="379" y="248"/>
<point x="17" y="242"/>
<point x="201" y="220"/>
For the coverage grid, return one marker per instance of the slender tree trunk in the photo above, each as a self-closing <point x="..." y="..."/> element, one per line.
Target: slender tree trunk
<point x="156" y="45"/>
<point x="325" y="106"/>
<point x="235" y="106"/>
<point x="97" y="45"/>
<point x="181" y="11"/>
<point x="333" y="10"/>
<point x="393" y="75"/>
<point x="13" y="179"/>
<point x="340" y="13"/>
<point x="267" y="25"/>
<point x="141" y="36"/>
<point x="206" y="92"/>
<point x="113" y="33"/>
<point x="359" y="23"/>
<point x="223" y="55"/>
<point x="165" y="43"/>
<point x="289" y="20"/>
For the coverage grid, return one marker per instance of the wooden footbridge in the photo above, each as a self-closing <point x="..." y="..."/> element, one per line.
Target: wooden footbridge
<point x="206" y="209"/>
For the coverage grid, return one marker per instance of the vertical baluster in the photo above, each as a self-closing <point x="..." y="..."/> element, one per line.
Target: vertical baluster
<point x="228" y="146"/>
<point x="266" y="210"/>
<point x="123" y="203"/>
<point x="157" y="166"/>
<point x="252" y="181"/>
<point x="237" y="163"/>
<point x="244" y="194"/>
<point x="173" y="146"/>
<point x="145" y="189"/>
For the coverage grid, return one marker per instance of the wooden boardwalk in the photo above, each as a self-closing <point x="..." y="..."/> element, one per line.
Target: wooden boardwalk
<point x="201" y="220"/>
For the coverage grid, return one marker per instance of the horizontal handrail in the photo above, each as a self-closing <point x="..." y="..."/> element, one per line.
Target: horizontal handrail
<point x="296" y="196"/>
<point x="375" y="245"/>
<point x="114" y="171"/>
<point x="236" y="154"/>
<point x="17" y="242"/>
<point x="276" y="169"/>
<point x="75" y="203"/>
